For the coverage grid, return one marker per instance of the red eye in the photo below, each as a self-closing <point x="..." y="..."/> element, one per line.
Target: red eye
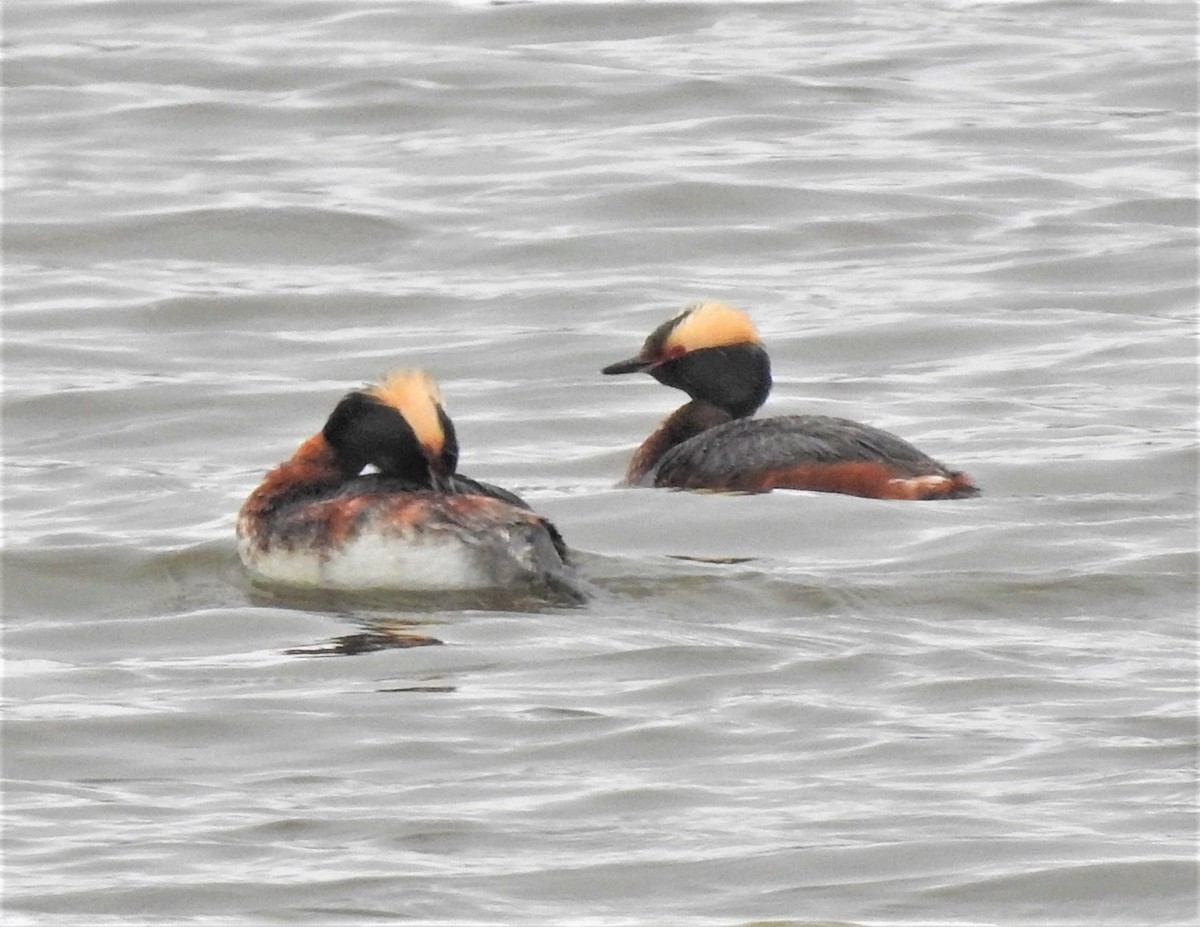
<point x="672" y="352"/>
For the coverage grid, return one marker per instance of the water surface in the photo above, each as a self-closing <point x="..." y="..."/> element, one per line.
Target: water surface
<point x="971" y="224"/>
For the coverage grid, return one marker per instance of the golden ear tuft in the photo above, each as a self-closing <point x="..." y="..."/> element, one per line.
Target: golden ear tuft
<point x="415" y="395"/>
<point x="711" y="325"/>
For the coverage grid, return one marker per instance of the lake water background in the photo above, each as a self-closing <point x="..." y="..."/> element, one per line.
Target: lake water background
<point x="973" y="224"/>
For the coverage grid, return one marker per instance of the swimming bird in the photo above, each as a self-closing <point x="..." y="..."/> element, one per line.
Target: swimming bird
<point x="317" y="520"/>
<point x="713" y="353"/>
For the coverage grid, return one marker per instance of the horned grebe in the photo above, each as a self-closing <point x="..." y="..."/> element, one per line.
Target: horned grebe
<point x="415" y="525"/>
<point x="712" y="352"/>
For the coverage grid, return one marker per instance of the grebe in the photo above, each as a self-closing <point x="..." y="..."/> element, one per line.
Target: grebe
<point x="712" y="352"/>
<point x="415" y="525"/>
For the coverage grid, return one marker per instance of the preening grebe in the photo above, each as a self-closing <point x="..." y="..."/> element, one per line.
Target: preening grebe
<point x="414" y="525"/>
<point x="712" y="352"/>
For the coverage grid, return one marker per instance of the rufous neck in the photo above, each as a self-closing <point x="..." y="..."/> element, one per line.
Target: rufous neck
<point x="314" y="466"/>
<point x="686" y="422"/>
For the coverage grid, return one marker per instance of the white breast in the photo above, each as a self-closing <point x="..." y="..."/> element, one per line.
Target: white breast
<point x="437" y="557"/>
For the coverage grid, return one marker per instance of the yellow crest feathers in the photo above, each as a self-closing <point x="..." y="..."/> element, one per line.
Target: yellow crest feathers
<point x="711" y="325"/>
<point x="415" y="395"/>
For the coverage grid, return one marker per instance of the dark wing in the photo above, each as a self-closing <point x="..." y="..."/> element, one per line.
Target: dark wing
<point x="377" y="482"/>
<point x="737" y="451"/>
<point x="459" y="485"/>
<point x="468" y="486"/>
<point x="464" y="484"/>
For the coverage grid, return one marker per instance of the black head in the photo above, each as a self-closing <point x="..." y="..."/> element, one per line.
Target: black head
<point x="399" y="427"/>
<point x="711" y="352"/>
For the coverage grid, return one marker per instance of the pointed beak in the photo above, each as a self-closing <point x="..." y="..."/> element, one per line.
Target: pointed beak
<point x="633" y="365"/>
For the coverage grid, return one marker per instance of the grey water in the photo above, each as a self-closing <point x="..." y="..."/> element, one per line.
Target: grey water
<point x="973" y="224"/>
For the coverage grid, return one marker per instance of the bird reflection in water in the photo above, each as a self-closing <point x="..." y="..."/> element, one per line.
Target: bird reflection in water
<point x="393" y="634"/>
